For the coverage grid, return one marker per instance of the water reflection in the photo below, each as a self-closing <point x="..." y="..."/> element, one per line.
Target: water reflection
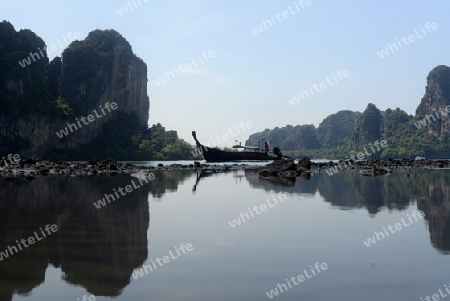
<point x="397" y="191"/>
<point x="167" y="180"/>
<point x="437" y="211"/>
<point x="99" y="248"/>
<point x="350" y="190"/>
<point x="95" y="248"/>
<point x="200" y="175"/>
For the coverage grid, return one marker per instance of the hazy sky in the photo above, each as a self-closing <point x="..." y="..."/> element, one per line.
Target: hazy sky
<point x="251" y="77"/>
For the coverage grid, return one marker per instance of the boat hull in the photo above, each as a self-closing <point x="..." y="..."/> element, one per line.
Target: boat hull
<point x="217" y="155"/>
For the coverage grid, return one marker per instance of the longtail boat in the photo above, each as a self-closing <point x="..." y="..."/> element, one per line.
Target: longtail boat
<point x="242" y="153"/>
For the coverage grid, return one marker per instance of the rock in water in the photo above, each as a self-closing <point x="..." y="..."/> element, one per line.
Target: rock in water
<point x="284" y="168"/>
<point x="304" y="164"/>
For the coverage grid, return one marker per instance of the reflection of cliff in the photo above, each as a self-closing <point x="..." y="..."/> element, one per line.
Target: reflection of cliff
<point x="97" y="249"/>
<point x="437" y="213"/>
<point x="349" y="189"/>
<point x="302" y="185"/>
<point x="395" y="191"/>
<point x="167" y="180"/>
<point x="102" y="247"/>
<point x="25" y="270"/>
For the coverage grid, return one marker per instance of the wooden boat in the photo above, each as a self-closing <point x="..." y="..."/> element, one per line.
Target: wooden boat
<point x="245" y="153"/>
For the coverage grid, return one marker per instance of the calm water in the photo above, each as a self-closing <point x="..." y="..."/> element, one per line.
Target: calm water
<point x="325" y="220"/>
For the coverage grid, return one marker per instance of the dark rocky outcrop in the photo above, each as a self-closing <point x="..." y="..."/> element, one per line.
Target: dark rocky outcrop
<point x="437" y="96"/>
<point x="304" y="164"/>
<point x="285" y="169"/>
<point x="337" y="129"/>
<point x="41" y="98"/>
<point x="279" y="168"/>
<point x="368" y="126"/>
<point x="103" y="68"/>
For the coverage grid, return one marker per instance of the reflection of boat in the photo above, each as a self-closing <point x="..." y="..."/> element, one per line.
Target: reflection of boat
<point x="247" y="153"/>
<point x="237" y="174"/>
<point x="202" y="174"/>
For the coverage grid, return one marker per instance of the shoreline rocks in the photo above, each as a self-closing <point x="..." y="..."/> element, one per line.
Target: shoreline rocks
<point x="389" y="164"/>
<point x="286" y="168"/>
<point x="371" y="168"/>
<point x="33" y="167"/>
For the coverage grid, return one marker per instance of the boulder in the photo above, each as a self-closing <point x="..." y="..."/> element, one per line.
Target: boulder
<point x="304" y="164"/>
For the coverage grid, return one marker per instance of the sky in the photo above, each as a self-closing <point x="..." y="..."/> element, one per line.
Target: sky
<point x="330" y="49"/>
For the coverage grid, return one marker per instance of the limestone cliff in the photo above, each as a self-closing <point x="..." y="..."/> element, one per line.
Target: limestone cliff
<point x="368" y="126"/>
<point x="101" y="69"/>
<point x="39" y="98"/>
<point x="437" y="95"/>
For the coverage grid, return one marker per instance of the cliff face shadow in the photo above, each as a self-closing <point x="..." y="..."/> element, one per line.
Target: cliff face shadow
<point x="95" y="248"/>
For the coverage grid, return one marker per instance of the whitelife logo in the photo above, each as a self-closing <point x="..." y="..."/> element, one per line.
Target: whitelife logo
<point x="391" y="48"/>
<point x="274" y="292"/>
<point x="110" y="197"/>
<point x="166" y="259"/>
<point x="423" y="122"/>
<point x="86" y="120"/>
<point x="12" y="161"/>
<point x="236" y="222"/>
<point x="371" y="240"/>
<point x="436" y="296"/>
<point x="130" y="4"/>
<point x="342" y="165"/>
<point x="31" y="240"/>
<point x="53" y="47"/>
<point x="187" y="68"/>
<point x="280" y="17"/>
<point x="197" y="152"/>
<point x="87" y="298"/>
<point x="319" y="87"/>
